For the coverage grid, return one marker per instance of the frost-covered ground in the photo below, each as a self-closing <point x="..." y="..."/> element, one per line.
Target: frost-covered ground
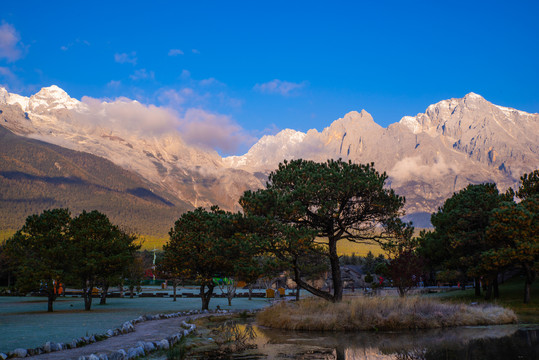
<point x="24" y="321"/>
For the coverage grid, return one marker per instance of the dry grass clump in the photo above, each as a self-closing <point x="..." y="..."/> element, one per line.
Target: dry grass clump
<point x="380" y="313"/>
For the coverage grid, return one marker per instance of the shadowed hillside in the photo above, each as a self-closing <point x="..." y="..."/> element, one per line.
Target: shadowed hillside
<point x="35" y="176"/>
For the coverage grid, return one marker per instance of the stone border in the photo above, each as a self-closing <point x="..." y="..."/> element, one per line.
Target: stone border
<point x="142" y="348"/>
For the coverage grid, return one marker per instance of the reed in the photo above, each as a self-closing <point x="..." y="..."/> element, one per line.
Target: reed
<point x="380" y="313"/>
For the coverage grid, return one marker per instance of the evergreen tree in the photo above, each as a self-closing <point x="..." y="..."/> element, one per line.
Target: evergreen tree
<point x="102" y="251"/>
<point x="336" y="200"/>
<point x="41" y="252"/>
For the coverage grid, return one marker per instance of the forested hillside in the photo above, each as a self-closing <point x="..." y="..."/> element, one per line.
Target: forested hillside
<point x="35" y="176"/>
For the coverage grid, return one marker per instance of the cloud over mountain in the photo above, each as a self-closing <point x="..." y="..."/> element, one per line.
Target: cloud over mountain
<point x="427" y="157"/>
<point x="10" y="46"/>
<point x="281" y="87"/>
<point x="414" y="168"/>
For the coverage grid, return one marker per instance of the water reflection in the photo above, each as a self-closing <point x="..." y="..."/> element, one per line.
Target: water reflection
<point x="494" y="342"/>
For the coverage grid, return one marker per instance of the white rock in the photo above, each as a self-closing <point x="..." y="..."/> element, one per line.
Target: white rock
<point x="135" y="352"/>
<point x="20" y="353"/>
<point x="163" y="344"/>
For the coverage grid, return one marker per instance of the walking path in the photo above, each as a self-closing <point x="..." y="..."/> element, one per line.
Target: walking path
<point x="148" y="331"/>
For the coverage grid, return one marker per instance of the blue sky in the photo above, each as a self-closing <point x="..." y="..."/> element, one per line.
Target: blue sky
<point x="265" y="66"/>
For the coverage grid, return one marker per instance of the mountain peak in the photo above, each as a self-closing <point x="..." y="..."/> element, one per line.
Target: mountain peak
<point x="52" y="91"/>
<point x="473" y="96"/>
<point x="52" y="98"/>
<point x="353" y="115"/>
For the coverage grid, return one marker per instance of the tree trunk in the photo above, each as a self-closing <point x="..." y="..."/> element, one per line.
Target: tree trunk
<point x="477" y="286"/>
<point x="496" y="289"/>
<point x="335" y="271"/>
<point x="340" y="354"/>
<point x="320" y="293"/>
<point x="229" y="300"/>
<point x="530" y="277"/>
<point x="206" y="295"/>
<point x="527" y="292"/>
<point x="121" y="288"/>
<point x="104" y="292"/>
<point x="131" y="291"/>
<point x="251" y="291"/>
<point x="87" y="293"/>
<point x="488" y="294"/>
<point x="50" y="299"/>
<point x="296" y="279"/>
<point x="174" y="286"/>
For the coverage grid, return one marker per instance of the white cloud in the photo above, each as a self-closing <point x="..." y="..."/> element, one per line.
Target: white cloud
<point x="128" y="116"/>
<point x="74" y="43"/>
<point x="123" y="58"/>
<point x="175" y="52"/>
<point x="229" y="101"/>
<point x="7" y="73"/>
<point x="142" y="74"/>
<point x="411" y="168"/>
<point x="114" y="84"/>
<point x="197" y="127"/>
<point x="210" y="81"/>
<point x="186" y="74"/>
<point x="174" y="98"/>
<point x="214" y="131"/>
<point x="10" y="46"/>
<point x="195" y="51"/>
<point x="280" y="87"/>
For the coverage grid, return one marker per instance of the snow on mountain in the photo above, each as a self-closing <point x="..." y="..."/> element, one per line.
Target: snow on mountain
<point x="133" y="136"/>
<point x="48" y="98"/>
<point x="427" y="157"/>
<point x="51" y="98"/>
<point x="267" y="149"/>
<point x="13" y="99"/>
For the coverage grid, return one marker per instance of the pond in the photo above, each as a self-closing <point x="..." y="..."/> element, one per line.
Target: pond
<point x="489" y="342"/>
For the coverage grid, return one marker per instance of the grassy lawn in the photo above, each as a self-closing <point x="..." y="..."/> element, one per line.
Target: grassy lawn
<point x="24" y="321"/>
<point x="511" y="296"/>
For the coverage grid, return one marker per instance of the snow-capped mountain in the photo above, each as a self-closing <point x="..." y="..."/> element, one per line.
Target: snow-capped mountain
<point x="427" y="156"/>
<point x="125" y="132"/>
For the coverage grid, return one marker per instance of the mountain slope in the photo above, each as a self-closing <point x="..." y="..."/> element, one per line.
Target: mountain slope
<point x="427" y="157"/>
<point x="134" y="137"/>
<point x="35" y="176"/>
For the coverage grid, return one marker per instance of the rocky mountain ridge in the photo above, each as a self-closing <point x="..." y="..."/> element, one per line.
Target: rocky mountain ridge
<point x="427" y="156"/>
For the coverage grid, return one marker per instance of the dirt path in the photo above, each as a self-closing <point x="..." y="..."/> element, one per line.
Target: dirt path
<point x="154" y="330"/>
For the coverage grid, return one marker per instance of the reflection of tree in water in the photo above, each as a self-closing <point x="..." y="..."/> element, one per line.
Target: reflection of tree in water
<point x="413" y="354"/>
<point x="466" y="343"/>
<point x="522" y="344"/>
<point x="233" y="337"/>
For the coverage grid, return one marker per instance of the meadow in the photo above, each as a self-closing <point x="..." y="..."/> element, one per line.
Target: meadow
<point x="25" y="322"/>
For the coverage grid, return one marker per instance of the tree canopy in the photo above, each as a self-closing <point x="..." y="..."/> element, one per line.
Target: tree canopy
<point x="460" y="226"/>
<point x="41" y="253"/>
<point x="102" y="250"/>
<point x="479" y="232"/>
<point x="205" y="244"/>
<point x="335" y="200"/>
